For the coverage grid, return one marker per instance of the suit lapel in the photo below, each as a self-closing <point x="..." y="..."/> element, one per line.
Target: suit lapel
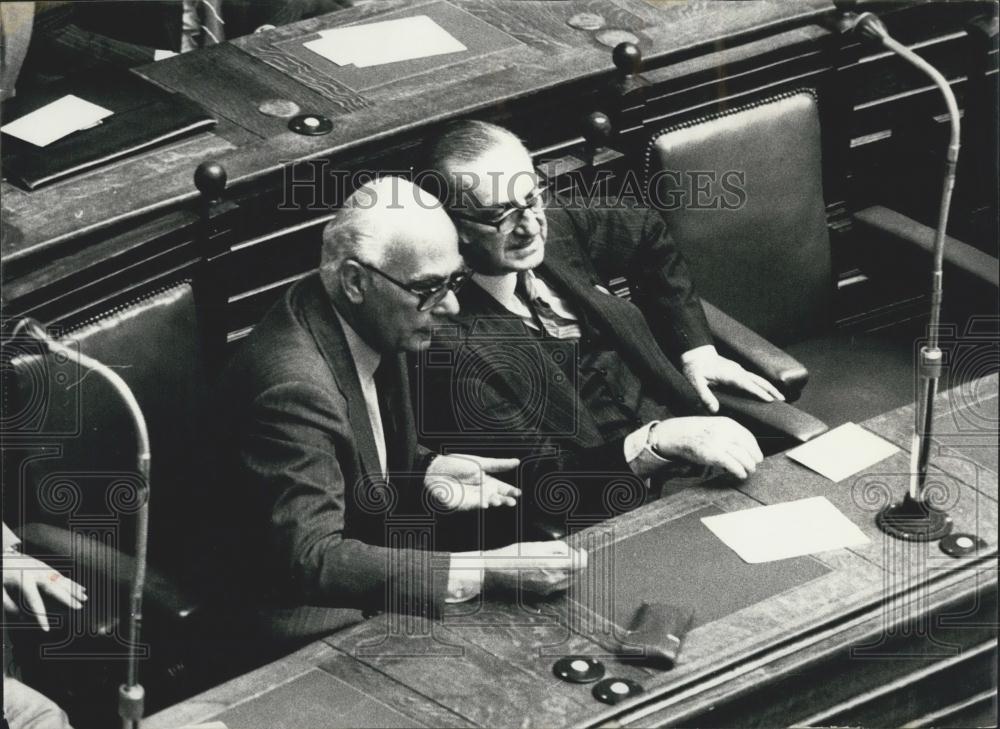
<point x="329" y="335"/>
<point x="625" y="326"/>
<point x="488" y="323"/>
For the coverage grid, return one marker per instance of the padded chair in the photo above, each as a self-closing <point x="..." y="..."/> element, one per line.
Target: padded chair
<point x="71" y="491"/>
<point x="71" y="465"/>
<point x="759" y="249"/>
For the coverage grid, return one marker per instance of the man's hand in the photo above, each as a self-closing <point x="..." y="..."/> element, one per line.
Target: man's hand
<point x="29" y="577"/>
<point x="541" y="568"/>
<point x="464" y="482"/>
<point x="704" y="366"/>
<point x="711" y="441"/>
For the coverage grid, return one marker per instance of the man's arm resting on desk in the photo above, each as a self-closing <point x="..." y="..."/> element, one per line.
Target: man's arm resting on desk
<point x="297" y="434"/>
<point x="541" y="568"/>
<point x="293" y="449"/>
<point x="710" y="441"/>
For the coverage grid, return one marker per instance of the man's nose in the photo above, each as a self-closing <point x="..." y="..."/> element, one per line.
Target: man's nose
<point x="529" y="223"/>
<point x="448" y="306"/>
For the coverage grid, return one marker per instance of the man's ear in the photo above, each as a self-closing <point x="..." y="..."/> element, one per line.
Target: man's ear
<point x="469" y="252"/>
<point x="353" y="281"/>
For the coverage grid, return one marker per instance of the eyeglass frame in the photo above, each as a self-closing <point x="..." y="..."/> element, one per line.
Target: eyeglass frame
<point x="425" y="297"/>
<point x="537" y="204"/>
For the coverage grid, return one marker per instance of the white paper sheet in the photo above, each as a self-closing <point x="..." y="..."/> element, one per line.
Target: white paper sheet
<point x="842" y="452"/>
<point x="56" y="120"/>
<point x="388" y="41"/>
<point x="780" y="531"/>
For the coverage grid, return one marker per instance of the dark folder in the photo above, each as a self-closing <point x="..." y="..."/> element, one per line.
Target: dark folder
<point x="145" y="116"/>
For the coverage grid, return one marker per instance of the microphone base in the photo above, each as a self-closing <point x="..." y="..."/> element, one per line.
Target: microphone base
<point x="914" y="521"/>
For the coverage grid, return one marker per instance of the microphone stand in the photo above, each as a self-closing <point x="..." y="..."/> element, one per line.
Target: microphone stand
<point x="914" y="518"/>
<point x="131" y="694"/>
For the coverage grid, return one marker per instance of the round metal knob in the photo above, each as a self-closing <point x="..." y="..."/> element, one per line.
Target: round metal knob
<point x="210" y="179"/>
<point x="597" y="129"/>
<point x="627" y="58"/>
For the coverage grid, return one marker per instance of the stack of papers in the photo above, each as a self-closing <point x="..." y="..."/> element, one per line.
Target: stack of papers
<point x="781" y="531"/>
<point x="54" y="121"/>
<point x="389" y="41"/>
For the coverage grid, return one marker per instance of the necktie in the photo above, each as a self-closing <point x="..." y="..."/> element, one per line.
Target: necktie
<point x="550" y="322"/>
<point x="212" y="25"/>
<point x="387" y="388"/>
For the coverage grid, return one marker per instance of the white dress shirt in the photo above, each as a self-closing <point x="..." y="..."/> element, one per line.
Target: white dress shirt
<point x="366" y="361"/>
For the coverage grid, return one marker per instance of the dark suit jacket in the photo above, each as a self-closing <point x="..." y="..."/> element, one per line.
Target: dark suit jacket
<point x="309" y="499"/>
<point x="491" y="385"/>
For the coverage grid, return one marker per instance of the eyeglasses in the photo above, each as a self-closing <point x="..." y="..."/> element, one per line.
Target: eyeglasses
<point x="510" y="214"/>
<point x="428" y="295"/>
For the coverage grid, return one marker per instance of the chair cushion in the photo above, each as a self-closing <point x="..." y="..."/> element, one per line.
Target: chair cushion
<point x="755" y="235"/>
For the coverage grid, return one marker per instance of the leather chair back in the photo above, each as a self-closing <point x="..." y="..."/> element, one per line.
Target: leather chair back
<point x="88" y="480"/>
<point x="742" y="194"/>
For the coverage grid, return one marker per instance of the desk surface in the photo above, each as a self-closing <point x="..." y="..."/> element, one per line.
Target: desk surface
<point x="491" y="666"/>
<point x="539" y="52"/>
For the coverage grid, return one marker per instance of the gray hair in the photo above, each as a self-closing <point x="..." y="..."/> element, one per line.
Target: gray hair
<point x="461" y="141"/>
<point x="349" y="235"/>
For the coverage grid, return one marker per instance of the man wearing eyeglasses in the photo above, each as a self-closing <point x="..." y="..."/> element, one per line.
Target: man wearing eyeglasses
<point x="325" y="447"/>
<point x="580" y="383"/>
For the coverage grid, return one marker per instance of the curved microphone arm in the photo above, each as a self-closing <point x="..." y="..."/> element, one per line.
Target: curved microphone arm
<point x="131" y="694"/>
<point x="870" y="27"/>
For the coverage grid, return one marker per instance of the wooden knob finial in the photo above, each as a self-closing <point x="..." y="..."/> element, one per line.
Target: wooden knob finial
<point x="210" y="178"/>
<point x="627" y="58"/>
<point x="597" y="129"/>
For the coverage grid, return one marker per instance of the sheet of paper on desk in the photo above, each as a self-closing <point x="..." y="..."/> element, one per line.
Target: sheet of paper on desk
<point x="842" y="452"/>
<point x="54" y="121"/>
<point x="388" y="41"/>
<point x="780" y="531"/>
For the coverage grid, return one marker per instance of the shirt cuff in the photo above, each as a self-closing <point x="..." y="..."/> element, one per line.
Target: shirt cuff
<point x="639" y="454"/>
<point x="698" y="353"/>
<point x="463" y="585"/>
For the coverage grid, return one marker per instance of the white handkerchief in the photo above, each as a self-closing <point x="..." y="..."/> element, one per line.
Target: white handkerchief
<point x="388" y="41"/>
<point x="780" y="531"/>
<point x="842" y="452"/>
<point x="56" y="120"/>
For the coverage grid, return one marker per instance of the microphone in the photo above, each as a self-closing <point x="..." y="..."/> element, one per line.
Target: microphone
<point x="913" y="518"/>
<point x="131" y="694"/>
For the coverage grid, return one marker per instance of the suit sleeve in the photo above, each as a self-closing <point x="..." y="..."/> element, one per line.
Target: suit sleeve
<point x="291" y="449"/>
<point x="466" y="408"/>
<point x="636" y="245"/>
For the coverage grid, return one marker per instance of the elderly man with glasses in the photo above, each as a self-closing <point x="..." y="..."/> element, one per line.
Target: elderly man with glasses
<point x="598" y="396"/>
<point x="325" y="454"/>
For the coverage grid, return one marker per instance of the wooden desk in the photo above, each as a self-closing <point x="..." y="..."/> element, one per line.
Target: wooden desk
<point x="892" y="632"/>
<point x="86" y="244"/>
<point x="232" y="79"/>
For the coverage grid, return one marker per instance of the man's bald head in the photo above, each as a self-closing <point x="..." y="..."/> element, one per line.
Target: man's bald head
<point x="390" y="243"/>
<point x="384" y="219"/>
